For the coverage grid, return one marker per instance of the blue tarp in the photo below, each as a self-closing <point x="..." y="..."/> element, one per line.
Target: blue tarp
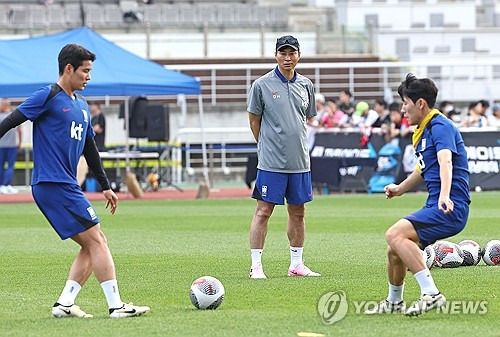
<point x="28" y="64"/>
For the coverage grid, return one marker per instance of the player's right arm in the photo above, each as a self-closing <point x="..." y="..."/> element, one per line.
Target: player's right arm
<point x="255" y="125"/>
<point x="394" y="190"/>
<point x="255" y="108"/>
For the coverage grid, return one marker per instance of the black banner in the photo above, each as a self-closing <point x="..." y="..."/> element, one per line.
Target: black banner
<point x="483" y="153"/>
<point x="337" y="156"/>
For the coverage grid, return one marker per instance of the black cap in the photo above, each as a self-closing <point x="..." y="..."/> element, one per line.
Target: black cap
<point x="287" y="41"/>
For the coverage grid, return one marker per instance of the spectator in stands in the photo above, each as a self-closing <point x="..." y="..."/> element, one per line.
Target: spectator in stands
<point x="476" y="117"/>
<point x="321" y="109"/>
<point x="447" y="108"/>
<point x="335" y="115"/>
<point x="383" y="114"/>
<point x="9" y="146"/>
<point x="494" y="119"/>
<point x="399" y="126"/>
<point x="346" y="104"/>
<point x="99" y="124"/>
<point x="130" y="11"/>
<point x="364" y="117"/>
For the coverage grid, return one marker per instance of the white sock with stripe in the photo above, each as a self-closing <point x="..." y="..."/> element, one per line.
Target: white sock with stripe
<point x="112" y="294"/>
<point x="256" y="256"/>
<point x="69" y="293"/>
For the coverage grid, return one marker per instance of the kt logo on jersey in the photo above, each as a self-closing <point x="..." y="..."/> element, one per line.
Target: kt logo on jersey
<point x="76" y="130"/>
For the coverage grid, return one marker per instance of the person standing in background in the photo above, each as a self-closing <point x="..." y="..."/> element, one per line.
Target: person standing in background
<point x="98" y="122"/>
<point x="9" y="147"/>
<point x="280" y="105"/>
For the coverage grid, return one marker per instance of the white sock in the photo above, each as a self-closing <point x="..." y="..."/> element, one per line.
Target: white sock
<point x="112" y="294"/>
<point x="395" y="293"/>
<point x="295" y="256"/>
<point x="256" y="256"/>
<point x="426" y="282"/>
<point x="68" y="295"/>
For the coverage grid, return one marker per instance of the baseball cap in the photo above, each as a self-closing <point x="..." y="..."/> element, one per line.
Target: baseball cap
<point x="319" y="98"/>
<point x="495" y="108"/>
<point x="287" y="41"/>
<point x="361" y="107"/>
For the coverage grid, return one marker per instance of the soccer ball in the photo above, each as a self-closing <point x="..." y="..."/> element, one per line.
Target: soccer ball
<point x="429" y="256"/>
<point x="448" y="255"/>
<point x="207" y="292"/>
<point x="472" y="252"/>
<point x="491" y="253"/>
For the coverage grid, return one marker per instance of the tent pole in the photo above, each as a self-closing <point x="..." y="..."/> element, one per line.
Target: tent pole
<point x="203" y="143"/>
<point x="127" y="126"/>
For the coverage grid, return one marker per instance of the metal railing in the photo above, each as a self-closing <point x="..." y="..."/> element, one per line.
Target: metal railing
<point x="458" y="81"/>
<point x="221" y="143"/>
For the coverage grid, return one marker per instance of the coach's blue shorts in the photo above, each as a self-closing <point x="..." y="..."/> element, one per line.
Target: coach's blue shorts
<point x="65" y="207"/>
<point x="432" y="225"/>
<point x="274" y="187"/>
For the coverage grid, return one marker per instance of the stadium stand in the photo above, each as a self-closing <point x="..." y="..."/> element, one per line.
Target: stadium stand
<point x="161" y="14"/>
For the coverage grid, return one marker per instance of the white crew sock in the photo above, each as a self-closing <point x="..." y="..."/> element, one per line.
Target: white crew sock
<point x="68" y="295"/>
<point x="112" y="294"/>
<point x="426" y="282"/>
<point x="395" y="293"/>
<point x="256" y="256"/>
<point x="295" y="256"/>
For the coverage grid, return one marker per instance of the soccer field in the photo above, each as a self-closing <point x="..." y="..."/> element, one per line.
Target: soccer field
<point x="160" y="247"/>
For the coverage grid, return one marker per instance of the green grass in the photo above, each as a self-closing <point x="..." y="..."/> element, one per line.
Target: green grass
<point x="160" y="247"/>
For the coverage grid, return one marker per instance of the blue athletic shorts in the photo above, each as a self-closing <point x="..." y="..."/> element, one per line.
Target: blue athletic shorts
<point x="432" y="225"/>
<point x="274" y="187"/>
<point x="65" y="207"/>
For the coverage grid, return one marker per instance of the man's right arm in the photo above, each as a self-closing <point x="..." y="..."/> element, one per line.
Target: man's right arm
<point x="14" y="119"/>
<point x="393" y="190"/>
<point x="255" y="125"/>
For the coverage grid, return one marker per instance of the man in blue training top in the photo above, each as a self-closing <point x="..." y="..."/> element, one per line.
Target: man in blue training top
<point x="61" y="133"/>
<point x="442" y="164"/>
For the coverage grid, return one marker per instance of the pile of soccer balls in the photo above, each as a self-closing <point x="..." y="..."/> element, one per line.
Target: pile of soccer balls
<point x="446" y="254"/>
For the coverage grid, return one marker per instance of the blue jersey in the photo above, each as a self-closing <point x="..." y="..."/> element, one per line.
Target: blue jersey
<point x="61" y="125"/>
<point x="442" y="134"/>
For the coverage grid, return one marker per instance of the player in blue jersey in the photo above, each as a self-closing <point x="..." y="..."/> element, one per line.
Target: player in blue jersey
<point x="62" y="132"/>
<point x="442" y="164"/>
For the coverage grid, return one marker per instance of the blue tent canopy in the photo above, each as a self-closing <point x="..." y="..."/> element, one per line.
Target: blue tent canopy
<point x="28" y="64"/>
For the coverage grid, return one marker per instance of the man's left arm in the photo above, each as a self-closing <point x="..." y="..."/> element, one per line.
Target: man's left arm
<point x="445" y="204"/>
<point x="93" y="159"/>
<point x="443" y="137"/>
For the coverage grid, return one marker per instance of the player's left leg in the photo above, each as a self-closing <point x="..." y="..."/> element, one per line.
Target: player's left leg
<point x="296" y="232"/>
<point x="299" y="192"/>
<point x="403" y="238"/>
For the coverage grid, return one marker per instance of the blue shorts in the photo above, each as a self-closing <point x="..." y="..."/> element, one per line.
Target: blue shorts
<point x="65" y="207"/>
<point x="432" y="225"/>
<point x="274" y="187"/>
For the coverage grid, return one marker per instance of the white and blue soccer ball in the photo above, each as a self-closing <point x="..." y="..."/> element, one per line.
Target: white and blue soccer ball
<point x="448" y="254"/>
<point x="429" y="256"/>
<point x="207" y="292"/>
<point x="491" y="253"/>
<point x="472" y="252"/>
